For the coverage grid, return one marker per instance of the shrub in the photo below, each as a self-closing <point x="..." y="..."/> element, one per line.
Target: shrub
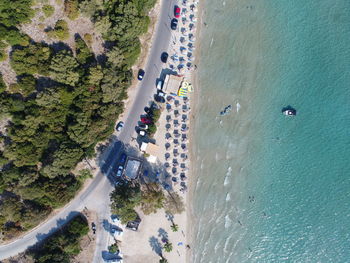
<point x="71" y="9"/>
<point x="88" y="39"/>
<point x="48" y="10"/>
<point x="60" y="31"/>
<point x="113" y="248"/>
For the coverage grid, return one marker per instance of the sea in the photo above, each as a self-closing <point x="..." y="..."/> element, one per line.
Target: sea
<point x="268" y="187"/>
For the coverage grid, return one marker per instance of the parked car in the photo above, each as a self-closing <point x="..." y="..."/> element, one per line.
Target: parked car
<point x="164" y="57"/>
<point x="115" y="219"/>
<point x="141" y="74"/>
<point x="119" y="126"/>
<point x="145" y="120"/>
<point x="173" y="24"/>
<point x="120" y="171"/>
<point x="160" y="84"/>
<point x="177" y="11"/>
<point x="148" y="110"/>
<point x="143" y="126"/>
<point x="141" y="132"/>
<point x="93" y="227"/>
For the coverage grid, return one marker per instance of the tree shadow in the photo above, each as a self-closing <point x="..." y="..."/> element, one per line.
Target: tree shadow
<point x="163" y="235"/>
<point x="60" y="223"/>
<point x="155" y="245"/>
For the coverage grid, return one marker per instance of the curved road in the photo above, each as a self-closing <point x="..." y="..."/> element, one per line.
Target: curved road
<point x="96" y="195"/>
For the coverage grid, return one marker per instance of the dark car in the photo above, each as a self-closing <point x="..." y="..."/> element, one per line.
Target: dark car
<point x="148" y="110"/>
<point x="164" y="57"/>
<point x="145" y="120"/>
<point x="177" y="11"/>
<point x="141" y="74"/>
<point x="93" y="226"/>
<point x="120" y="126"/>
<point x="173" y="24"/>
<point x="123" y="158"/>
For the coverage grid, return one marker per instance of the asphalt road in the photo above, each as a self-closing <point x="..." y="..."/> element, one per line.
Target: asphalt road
<point x="96" y="195"/>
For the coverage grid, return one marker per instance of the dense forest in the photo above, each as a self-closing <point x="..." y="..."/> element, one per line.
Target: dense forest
<point x="64" y="101"/>
<point x="62" y="246"/>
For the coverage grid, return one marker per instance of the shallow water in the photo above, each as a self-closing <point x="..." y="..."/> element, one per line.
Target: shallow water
<point x="271" y="188"/>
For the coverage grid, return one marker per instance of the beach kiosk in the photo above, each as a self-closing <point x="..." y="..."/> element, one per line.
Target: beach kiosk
<point x="151" y="149"/>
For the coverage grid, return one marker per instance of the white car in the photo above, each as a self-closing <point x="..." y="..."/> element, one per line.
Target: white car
<point x="142" y="133"/>
<point x="120" y="171"/>
<point x="160" y="84"/>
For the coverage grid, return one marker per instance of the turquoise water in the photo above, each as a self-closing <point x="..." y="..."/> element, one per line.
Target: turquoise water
<point x="270" y="188"/>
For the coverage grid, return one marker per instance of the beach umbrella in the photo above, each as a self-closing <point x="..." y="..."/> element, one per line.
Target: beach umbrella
<point x="168" y="136"/>
<point x="167" y="146"/>
<point x="166" y="164"/>
<point x="176" y="141"/>
<point x="167" y="156"/>
<point x="168" y="126"/>
<point x="168" y="118"/>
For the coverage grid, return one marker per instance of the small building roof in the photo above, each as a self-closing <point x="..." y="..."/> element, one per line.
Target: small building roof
<point x="132" y="168"/>
<point x="173" y="84"/>
<point x="151" y="149"/>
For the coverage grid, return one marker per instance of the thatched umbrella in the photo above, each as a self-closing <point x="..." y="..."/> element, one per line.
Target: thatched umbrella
<point x="168" y="146"/>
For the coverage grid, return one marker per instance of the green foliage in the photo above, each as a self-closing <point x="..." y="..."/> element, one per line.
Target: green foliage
<point x="116" y="57"/>
<point x="83" y="53"/>
<point x="84" y="174"/>
<point x="163" y="260"/>
<point x="71" y="9"/>
<point x="63" y="68"/>
<point x="174" y="204"/>
<point x="152" y="199"/>
<point x="64" y="245"/>
<point x="168" y="247"/>
<point x="152" y="128"/>
<point x="63" y="161"/>
<point x="124" y="199"/>
<point x="63" y="113"/>
<point x="32" y="59"/>
<point x="48" y="10"/>
<point x="13" y="13"/>
<point x="60" y="31"/>
<point x="13" y="36"/>
<point x="2" y="84"/>
<point x="88" y="39"/>
<point x="174" y="227"/>
<point x="90" y="7"/>
<point x="113" y="248"/>
<point x="27" y="84"/>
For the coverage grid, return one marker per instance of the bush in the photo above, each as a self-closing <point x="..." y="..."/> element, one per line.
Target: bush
<point x="88" y="39"/>
<point x="48" y="10"/>
<point x="152" y="128"/>
<point x="113" y="248"/>
<point x="71" y="9"/>
<point x="60" y="31"/>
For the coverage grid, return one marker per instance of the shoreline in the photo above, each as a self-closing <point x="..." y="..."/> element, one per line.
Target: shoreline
<point x="191" y="217"/>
